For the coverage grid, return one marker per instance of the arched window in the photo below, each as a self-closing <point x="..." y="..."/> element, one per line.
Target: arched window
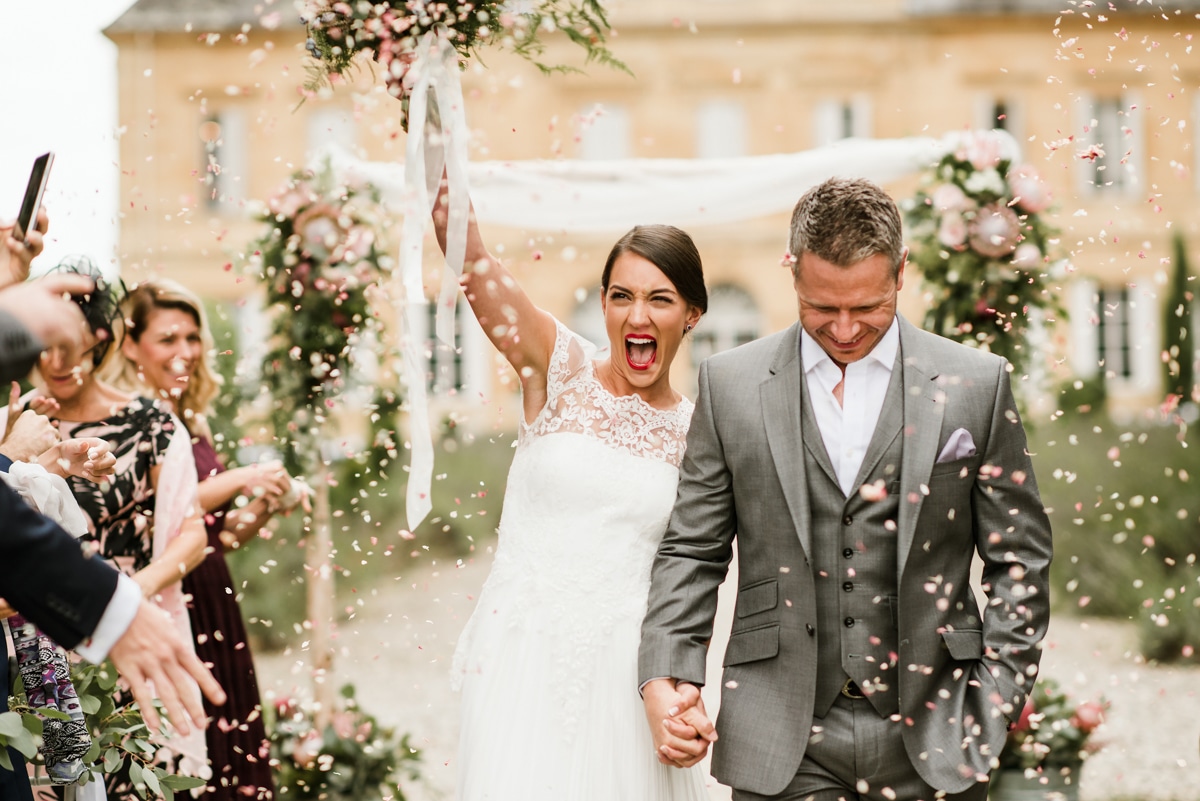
<point x="733" y="319"/>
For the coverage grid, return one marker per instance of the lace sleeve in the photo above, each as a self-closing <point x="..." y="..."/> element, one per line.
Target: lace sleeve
<point x="571" y="354"/>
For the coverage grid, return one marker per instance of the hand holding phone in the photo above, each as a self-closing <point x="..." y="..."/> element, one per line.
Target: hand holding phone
<point x="27" y="218"/>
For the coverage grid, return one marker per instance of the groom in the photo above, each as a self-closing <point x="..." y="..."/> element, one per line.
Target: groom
<point x="860" y="463"/>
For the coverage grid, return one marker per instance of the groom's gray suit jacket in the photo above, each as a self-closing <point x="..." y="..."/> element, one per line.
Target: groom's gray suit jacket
<point x="962" y="673"/>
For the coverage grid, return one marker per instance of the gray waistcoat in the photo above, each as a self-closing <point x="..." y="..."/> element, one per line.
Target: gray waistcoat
<point x="854" y="559"/>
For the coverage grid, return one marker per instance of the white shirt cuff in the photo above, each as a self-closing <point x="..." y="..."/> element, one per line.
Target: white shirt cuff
<point x="120" y="612"/>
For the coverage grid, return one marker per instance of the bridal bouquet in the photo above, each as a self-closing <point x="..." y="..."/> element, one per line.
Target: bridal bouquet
<point x="985" y="253"/>
<point x="338" y="30"/>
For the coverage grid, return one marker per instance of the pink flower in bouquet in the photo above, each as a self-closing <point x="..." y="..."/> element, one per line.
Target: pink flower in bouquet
<point x="1031" y="193"/>
<point x="952" y="231"/>
<point x="949" y="197"/>
<point x="307" y="750"/>
<point x="1088" y="716"/>
<point x="982" y="150"/>
<point x="995" y="231"/>
<point x="1027" y="255"/>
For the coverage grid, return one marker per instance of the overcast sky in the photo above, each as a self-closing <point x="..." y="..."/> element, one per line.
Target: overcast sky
<point x="60" y="80"/>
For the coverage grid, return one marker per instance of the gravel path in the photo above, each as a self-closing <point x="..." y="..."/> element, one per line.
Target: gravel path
<point x="397" y="649"/>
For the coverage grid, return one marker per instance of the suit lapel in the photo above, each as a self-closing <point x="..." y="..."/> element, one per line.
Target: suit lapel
<point x="780" y="396"/>
<point x="808" y="422"/>
<point x="924" y="405"/>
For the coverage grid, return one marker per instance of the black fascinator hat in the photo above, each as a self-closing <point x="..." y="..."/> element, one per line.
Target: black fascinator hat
<point x="101" y="307"/>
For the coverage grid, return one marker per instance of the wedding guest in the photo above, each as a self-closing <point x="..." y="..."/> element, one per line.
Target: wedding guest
<point x="147" y="521"/>
<point x="165" y="351"/>
<point x="81" y="602"/>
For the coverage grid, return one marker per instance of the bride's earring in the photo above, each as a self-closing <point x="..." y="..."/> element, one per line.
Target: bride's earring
<point x="687" y="328"/>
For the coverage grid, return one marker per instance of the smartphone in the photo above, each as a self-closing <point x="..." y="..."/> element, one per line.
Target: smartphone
<point x="34" y="190"/>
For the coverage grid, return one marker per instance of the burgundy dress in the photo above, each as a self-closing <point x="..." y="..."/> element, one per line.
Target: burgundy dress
<point x="237" y="739"/>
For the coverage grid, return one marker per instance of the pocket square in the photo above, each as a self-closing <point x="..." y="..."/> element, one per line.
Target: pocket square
<point x="959" y="446"/>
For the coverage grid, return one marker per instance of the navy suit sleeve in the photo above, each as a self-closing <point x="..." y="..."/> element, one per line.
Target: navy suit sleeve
<point x="19" y="349"/>
<point x="45" y="576"/>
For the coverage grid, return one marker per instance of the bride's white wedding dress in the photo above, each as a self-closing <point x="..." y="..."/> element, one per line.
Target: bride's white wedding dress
<point x="548" y="660"/>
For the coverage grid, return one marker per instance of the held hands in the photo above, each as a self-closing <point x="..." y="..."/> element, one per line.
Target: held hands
<point x="680" y="726"/>
<point x="269" y="481"/>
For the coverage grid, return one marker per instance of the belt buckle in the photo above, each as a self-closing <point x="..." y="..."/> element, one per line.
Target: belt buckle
<point x="851" y="690"/>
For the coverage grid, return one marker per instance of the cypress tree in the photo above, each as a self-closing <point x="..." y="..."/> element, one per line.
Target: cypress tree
<point x="1178" y="346"/>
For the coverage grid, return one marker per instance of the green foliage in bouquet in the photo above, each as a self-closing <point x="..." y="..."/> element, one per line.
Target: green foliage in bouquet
<point x="1053" y="732"/>
<point x="338" y="30"/>
<point x="352" y="758"/>
<point x="120" y="737"/>
<point x="318" y="258"/>
<point x="985" y="254"/>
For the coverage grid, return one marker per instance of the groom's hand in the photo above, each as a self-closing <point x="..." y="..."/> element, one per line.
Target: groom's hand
<point x="682" y="731"/>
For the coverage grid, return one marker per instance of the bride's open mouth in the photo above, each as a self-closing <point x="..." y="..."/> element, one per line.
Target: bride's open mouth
<point x="640" y="351"/>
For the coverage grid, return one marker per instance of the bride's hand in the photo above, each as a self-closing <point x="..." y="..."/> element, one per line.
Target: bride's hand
<point x="681" y="730"/>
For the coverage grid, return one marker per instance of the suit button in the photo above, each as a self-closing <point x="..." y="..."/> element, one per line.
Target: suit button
<point x="848" y="553"/>
<point x="849" y="622"/>
<point x="811" y="629"/>
<point x="847" y="520"/>
<point x="848" y="586"/>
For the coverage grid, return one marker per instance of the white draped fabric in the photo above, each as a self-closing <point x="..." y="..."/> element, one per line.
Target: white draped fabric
<point x="613" y="196"/>
<point x="600" y="197"/>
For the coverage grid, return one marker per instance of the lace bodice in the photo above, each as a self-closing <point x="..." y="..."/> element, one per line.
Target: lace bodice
<point x="589" y="495"/>
<point x="578" y="403"/>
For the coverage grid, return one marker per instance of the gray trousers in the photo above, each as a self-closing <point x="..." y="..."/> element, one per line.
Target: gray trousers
<point x="855" y="755"/>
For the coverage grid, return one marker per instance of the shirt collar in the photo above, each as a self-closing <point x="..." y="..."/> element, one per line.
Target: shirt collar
<point x="813" y="355"/>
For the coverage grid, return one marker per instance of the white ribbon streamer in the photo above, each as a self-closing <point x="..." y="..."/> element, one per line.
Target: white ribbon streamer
<point x="437" y="141"/>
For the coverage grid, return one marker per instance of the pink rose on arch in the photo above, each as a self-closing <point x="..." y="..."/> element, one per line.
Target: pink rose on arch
<point x="995" y="231"/>
<point x="1027" y="255"/>
<point x="355" y="246"/>
<point x="952" y="231"/>
<point x="319" y="229"/>
<point x="1030" y="192"/>
<point x="289" y="201"/>
<point x="949" y="197"/>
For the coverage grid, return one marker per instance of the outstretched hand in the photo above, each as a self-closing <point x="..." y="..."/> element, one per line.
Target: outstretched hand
<point x="680" y="726"/>
<point x="152" y="659"/>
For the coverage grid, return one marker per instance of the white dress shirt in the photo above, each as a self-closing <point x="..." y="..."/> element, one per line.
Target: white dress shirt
<point x="120" y="612"/>
<point x="847" y="428"/>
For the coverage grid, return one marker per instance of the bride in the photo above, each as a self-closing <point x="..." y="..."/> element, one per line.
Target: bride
<point x="548" y="661"/>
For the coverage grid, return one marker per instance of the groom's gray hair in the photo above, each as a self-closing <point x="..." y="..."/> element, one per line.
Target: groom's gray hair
<point x="844" y="221"/>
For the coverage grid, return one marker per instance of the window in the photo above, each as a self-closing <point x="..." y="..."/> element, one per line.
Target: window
<point x="1113" y="335"/>
<point x="997" y="112"/>
<point x="605" y="132"/>
<point x="733" y="319"/>
<point x="1113" y="130"/>
<point x="720" y="130"/>
<point x="223" y="140"/>
<point x="446" y="369"/>
<point x="842" y="119"/>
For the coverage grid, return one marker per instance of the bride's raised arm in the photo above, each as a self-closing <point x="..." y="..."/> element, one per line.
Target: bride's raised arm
<point x="520" y="330"/>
